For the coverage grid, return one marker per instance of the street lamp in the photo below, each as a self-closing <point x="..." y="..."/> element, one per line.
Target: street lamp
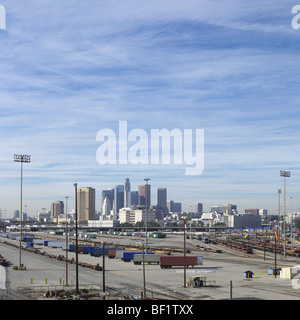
<point x="146" y="222"/>
<point x="21" y="158"/>
<point x="76" y="244"/>
<point x="284" y="174"/>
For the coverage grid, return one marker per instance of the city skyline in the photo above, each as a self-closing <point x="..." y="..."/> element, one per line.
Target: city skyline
<point x="227" y="68"/>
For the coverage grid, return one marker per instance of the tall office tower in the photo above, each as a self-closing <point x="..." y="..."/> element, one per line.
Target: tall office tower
<point x="199" y="208"/>
<point x="126" y="190"/>
<point x="170" y="205"/>
<point x="162" y="198"/>
<point x="133" y="198"/>
<point x="86" y="201"/>
<point x="108" y="194"/>
<point x="57" y="208"/>
<point x="119" y="199"/>
<point x="106" y="208"/>
<point x="16" y="214"/>
<point x="144" y="195"/>
<point x="177" y="207"/>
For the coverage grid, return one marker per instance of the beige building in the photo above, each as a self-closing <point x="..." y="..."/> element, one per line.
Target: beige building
<point x="133" y="216"/>
<point x="86" y="200"/>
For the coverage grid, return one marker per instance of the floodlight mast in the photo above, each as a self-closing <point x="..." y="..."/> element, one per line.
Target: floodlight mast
<point x="21" y="158"/>
<point x="284" y="174"/>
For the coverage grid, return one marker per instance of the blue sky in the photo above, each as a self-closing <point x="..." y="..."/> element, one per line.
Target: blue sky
<point x="71" y="68"/>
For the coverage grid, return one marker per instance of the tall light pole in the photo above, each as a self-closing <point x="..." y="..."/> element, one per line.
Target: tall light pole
<point x="184" y="254"/>
<point x="21" y="158"/>
<point x="284" y="174"/>
<point x="76" y="245"/>
<point x="67" y="239"/>
<point x="146" y="223"/>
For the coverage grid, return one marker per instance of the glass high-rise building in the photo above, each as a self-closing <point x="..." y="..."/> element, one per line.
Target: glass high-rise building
<point x="133" y="198"/>
<point x="126" y="191"/>
<point x="108" y="194"/>
<point x="144" y="195"/>
<point x="162" y="198"/>
<point x="118" y="199"/>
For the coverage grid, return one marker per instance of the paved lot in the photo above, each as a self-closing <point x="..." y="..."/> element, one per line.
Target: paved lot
<point x="125" y="276"/>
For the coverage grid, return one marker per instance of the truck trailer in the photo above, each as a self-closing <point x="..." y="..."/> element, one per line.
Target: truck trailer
<point x="148" y="258"/>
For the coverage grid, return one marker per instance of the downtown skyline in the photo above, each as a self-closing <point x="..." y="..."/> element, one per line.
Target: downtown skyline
<point x="227" y="68"/>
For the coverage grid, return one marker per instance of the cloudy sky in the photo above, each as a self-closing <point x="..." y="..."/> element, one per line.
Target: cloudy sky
<point x="71" y="68"/>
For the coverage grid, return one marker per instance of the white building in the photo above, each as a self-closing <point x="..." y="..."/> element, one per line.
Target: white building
<point x="242" y="221"/>
<point x="291" y="216"/>
<point x="133" y="216"/>
<point x="104" y="223"/>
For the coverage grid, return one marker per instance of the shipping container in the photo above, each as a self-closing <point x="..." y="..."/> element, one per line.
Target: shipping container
<point x="26" y="238"/>
<point x="128" y="255"/>
<point x="71" y="246"/>
<point x="111" y="254"/>
<point x="174" y="261"/>
<point x="55" y="244"/>
<point x="98" y="251"/>
<point x="148" y="258"/>
<point x="85" y="249"/>
<point x="38" y="241"/>
<point x="157" y="235"/>
<point x="119" y="254"/>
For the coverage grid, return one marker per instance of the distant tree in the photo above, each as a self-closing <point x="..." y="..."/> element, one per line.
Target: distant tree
<point x="126" y="225"/>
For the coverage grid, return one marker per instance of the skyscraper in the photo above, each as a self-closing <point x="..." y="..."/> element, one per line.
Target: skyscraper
<point x="199" y="208"/>
<point x="126" y="191"/>
<point x="108" y="194"/>
<point x="144" y="195"/>
<point x="86" y="200"/>
<point x="133" y="198"/>
<point x="118" y="199"/>
<point x="106" y="208"/>
<point x="57" y="208"/>
<point x="162" y="198"/>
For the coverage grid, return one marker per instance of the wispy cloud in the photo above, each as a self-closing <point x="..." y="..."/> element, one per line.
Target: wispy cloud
<point x="71" y="68"/>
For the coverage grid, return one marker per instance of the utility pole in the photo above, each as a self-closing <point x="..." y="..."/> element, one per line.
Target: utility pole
<point x="76" y="245"/>
<point x="21" y="158"/>
<point x="103" y="268"/>
<point x="67" y="240"/>
<point x="230" y="290"/>
<point x="144" y="273"/>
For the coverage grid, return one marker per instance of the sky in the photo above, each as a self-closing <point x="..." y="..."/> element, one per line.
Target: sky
<point x="71" y="68"/>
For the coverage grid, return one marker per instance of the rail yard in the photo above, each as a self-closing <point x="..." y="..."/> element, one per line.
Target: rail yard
<point x="228" y="267"/>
